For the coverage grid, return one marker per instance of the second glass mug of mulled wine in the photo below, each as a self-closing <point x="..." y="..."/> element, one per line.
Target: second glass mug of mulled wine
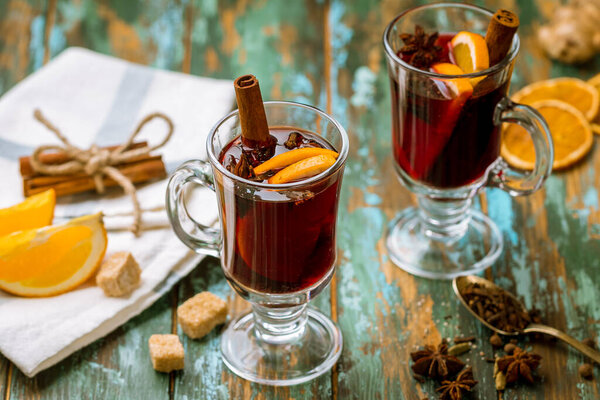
<point x="446" y="143"/>
<point x="276" y="245"/>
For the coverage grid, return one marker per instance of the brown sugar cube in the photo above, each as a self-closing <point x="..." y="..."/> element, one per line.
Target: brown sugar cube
<point x="201" y="313"/>
<point x="119" y="275"/>
<point x="166" y="352"/>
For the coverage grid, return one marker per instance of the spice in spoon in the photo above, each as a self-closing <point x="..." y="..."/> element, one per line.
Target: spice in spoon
<point x="496" y="307"/>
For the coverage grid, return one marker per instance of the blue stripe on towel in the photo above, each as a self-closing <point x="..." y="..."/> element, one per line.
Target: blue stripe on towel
<point x="12" y="151"/>
<point x="121" y="118"/>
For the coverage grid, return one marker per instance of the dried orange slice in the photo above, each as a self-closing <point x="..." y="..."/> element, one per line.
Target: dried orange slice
<point x="576" y="92"/>
<point x="303" y="169"/>
<point x="53" y="259"/>
<point x="470" y="52"/>
<point x="34" y="212"/>
<point x="595" y="82"/>
<point x="570" y="131"/>
<point x="289" y="157"/>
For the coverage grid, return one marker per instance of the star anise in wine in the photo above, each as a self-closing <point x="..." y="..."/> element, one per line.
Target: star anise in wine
<point x="420" y="48"/>
<point x="435" y="363"/>
<point x="243" y="168"/>
<point x="520" y="364"/>
<point x="456" y="389"/>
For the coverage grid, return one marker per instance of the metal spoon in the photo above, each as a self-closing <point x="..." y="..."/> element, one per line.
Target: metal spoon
<point x="459" y="283"/>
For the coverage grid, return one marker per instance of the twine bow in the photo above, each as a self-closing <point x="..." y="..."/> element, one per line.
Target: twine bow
<point x="97" y="162"/>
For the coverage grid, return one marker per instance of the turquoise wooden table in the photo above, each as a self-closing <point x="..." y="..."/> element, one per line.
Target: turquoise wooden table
<point x="327" y="53"/>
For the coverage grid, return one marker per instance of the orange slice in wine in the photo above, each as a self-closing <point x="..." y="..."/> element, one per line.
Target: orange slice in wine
<point x="290" y="157"/>
<point x="580" y="94"/>
<point x="470" y="52"/>
<point x="571" y="135"/>
<point x="303" y="169"/>
<point x="457" y="87"/>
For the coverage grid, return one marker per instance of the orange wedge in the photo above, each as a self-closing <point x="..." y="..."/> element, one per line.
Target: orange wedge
<point x="53" y="259"/>
<point x="303" y="169"/>
<point x="576" y="92"/>
<point x="289" y="157"/>
<point x="457" y="87"/>
<point x="34" y="212"/>
<point x="570" y="132"/>
<point x="470" y="52"/>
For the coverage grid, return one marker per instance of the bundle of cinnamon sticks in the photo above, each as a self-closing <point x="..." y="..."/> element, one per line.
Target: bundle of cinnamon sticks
<point x="139" y="169"/>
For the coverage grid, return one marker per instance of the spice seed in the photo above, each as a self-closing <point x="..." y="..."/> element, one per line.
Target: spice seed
<point x="586" y="371"/>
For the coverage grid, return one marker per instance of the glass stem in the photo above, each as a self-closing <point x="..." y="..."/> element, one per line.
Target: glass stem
<point x="444" y="219"/>
<point x="279" y="325"/>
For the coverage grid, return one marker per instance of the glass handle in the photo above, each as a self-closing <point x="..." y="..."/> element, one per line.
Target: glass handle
<point x="509" y="179"/>
<point x="200" y="238"/>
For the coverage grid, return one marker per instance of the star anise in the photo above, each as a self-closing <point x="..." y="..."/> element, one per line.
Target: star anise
<point x="456" y="389"/>
<point x="243" y="168"/>
<point x="420" y="49"/>
<point x="435" y="363"/>
<point x="519" y="365"/>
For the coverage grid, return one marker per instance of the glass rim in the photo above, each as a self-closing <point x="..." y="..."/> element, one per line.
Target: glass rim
<point x="514" y="49"/>
<point x="342" y="153"/>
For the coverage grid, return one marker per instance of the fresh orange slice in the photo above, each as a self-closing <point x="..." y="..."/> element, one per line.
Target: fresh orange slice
<point x="53" y="259"/>
<point x="289" y="157"/>
<point x="576" y="92"/>
<point x="457" y="87"/>
<point x="570" y="131"/>
<point x="34" y="212"/>
<point x="595" y="128"/>
<point x="470" y="52"/>
<point x="303" y="169"/>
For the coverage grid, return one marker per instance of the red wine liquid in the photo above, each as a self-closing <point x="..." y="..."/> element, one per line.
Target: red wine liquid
<point x="441" y="142"/>
<point x="280" y="242"/>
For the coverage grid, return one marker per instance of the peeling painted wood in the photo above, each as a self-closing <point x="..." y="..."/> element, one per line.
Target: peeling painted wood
<point x="328" y="53"/>
<point x="402" y="311"/>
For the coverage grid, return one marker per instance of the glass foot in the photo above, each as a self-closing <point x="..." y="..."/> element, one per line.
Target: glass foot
<point x="281" y="364"/>
<point x="416" y="250"/>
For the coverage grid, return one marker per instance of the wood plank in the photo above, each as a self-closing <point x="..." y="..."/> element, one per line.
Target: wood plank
<point x="117" y="366"/>
<point x="281" y="43"/>
<point x="401" y="311"/>
<point x="4" y="376"/>
<point x="21" y="39"/>
<point x="550" y="247"/>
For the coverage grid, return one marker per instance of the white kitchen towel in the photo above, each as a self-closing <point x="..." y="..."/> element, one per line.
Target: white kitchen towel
<point x="93" y="98"/>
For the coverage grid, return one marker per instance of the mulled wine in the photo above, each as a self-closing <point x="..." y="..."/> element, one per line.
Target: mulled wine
<point x="282" y="241"/>
<point x="440" y="139"/>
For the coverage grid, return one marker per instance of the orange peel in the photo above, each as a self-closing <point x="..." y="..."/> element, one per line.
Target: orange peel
<point x="53" y="259"/>
<point x="290" y="157"/>
<point x="303" y="169"/>
<point x="34" y="212"/>
<point x="570" y="131"/>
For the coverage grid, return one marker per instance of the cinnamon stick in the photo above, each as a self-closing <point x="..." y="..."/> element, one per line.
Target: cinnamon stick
<point x="255" y="129"/>
<point x="500" y="33"/>
<point x="61" y="157"/>
<point x="140" y="171"/>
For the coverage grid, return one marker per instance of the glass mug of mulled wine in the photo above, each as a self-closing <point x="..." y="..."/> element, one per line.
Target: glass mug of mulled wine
<point x="276" y="244"/>
<point x="446" y="138"/>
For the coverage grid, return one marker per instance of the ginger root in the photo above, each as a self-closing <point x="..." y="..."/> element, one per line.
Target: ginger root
<point x="573" y="34"/>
